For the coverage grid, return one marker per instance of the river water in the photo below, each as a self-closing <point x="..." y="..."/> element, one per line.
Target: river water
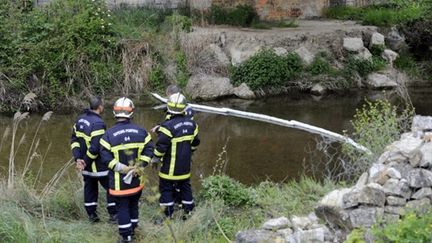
<point x="255" y="151"/>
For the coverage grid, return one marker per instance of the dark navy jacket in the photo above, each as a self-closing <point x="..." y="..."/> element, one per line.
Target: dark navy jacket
<point x="87" y="131"/>
<point x="177" y="139"/>
<point x="128" y="144"/>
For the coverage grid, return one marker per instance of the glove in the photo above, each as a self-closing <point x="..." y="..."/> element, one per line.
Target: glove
<point x="154" y="129"/>
<point x="155" y="162"/>
<point x="80" y="164"/>
<point x="122" y="168"/>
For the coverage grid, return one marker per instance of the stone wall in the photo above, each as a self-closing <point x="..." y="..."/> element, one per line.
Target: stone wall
<point x="398" y="183"/>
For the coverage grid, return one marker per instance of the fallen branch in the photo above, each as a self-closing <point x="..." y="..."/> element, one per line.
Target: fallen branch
<point x="274" y="120"/>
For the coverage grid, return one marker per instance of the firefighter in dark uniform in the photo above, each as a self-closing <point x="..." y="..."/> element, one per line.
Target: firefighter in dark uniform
<point x="124" y="148"/>
<point x="177" y="139"/>
<point x="87" y="131"/>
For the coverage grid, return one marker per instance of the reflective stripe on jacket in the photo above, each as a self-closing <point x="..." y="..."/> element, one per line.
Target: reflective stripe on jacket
<point x="87" y="131"/>
<point x="177" y="138"/>
<point x="128" y="144"/>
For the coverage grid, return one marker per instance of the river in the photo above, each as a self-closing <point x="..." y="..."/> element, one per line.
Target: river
<point x="255" y="151"/>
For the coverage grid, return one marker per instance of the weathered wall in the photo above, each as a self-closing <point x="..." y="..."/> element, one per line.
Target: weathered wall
<point x="267" y="9"/>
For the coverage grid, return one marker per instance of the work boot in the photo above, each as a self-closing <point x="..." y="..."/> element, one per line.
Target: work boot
<point x="112" y="219"/>
<point x="93" y="218"/>
<point x="126" y="239"/>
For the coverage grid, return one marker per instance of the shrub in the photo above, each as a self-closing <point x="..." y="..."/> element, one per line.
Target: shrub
<point x="319" y="66"/>
<point x="411" y="228"/>
<point x="60" y="49"/>
<point x="179" y="22"/>
<point x="362" y="66"/>
<point x="266" y="69"/>
<point x="182" y="69"/>
<point x="241" y="15"/>
<point x="157" y="77"/>
<point x="230" y="191"/>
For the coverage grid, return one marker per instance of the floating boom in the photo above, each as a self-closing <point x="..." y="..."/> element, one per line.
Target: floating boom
<point x="273" y="120"/>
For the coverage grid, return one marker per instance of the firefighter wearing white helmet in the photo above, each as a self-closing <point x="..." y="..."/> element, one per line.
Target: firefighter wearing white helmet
<point x="177" y="139"/>
<point x="123" y="108"/>
<point x="121" y="145"/>
<point x="176" y="104"/>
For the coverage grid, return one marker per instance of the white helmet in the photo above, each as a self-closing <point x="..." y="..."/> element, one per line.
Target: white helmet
<point x="176" y="103"/>
<point x="123" y="108"/>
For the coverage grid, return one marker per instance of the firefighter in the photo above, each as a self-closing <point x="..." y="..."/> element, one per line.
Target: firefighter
<point x="177" y="139"/>
<point x="125" y="148"/>
<point x="87" y="131"/>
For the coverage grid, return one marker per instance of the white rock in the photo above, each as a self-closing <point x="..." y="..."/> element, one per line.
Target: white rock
<point x="395" y="201"/>
<point x="353" y="44"/>
<point x="418" y="178"/>
<point x="394" y="187"/>
<point x="379" y="80"/>
<point x="334" y="198"/>
<point x="407" y="146"/>
<point x="394" y="40"/>
<point x="318" y="89"/>
<point x="393" y="173"/>
<point x="390" y="56"/>
<point x="280" y="51"/>
<point x="305" y="55"/>
<point x="243" y="91"/>
<point x="365" y="217"/>
<point x="364" y="54"/>
<point x="375" y="170"/>
<point x="426" y="151"/>
<point x="375" y="185"/>
<point x="275" y="224"/>
<point x="313" y="236"/>
<point x="420" y="206"/>
<point x="208" y="87"/>
<point x="362" y="181"/>
<point x="377" y="39"/>
<point x="423" y="192"/>
<point x="421" y="123"/>
<point x="301" y="222"/>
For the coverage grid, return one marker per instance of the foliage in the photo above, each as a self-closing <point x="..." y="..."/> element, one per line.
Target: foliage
<point x="411" y="228"/>
<point x="268" y="25"/>
<point x="182" y="69"/>
<point x="418" y="34"/>
<point x="179" y="22"/>
<point x="157" y="77"/>
<point x="363" y="67"/>
<point x="241" y="15"/>
<point x="267" y="69"/>
<point x="58" y="49"/>
<point x="356" y="236"/>
<point x="379" y="117"/>
<point x="228" y="190"/>
<point x="320" y="65"/>
<point x="379" y="15"/>
<point x="407" y="63"/>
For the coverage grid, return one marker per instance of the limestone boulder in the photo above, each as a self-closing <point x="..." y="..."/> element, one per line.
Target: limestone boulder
<point x="407" y="146"/>
<point x="259" y="236"/>
<point x="421" y="123"/>
<point x="379" y="81"/>
<point x="396" y="210"/>
<point x="365" y="217"/>
<point x="280" y="51"/>
<point x="312" y="236"/>
<point x="418" y="178"/>
<point x="318" y="89"/>
<point x="422" y="193"/>
<point x="364" y="54"/>
<point x="353" y="44"/>
<point x="365" y="196"/>
<point x="244" y="92"/>
<point x="305" y="55"/>
<point x="394" y="40"/>
<point x="420" y="206"/>
<point x="300" y="223"/>
<point x="276" y="224"/>
<point x="395" y="201"/>
<point x="399" y="188"/>
<point x="426" y="155"/>
<point x="208" y="87"/>
<point x="390" y="56"/>
<point x="329" y="209"/>
<point x="377" y="39"/>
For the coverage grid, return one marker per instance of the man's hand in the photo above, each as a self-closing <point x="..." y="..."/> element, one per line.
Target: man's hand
<point x="122" y="168"/>
<point x="80" y="164"/>
<point x="154" y="129"/>
<point x="155" y="162"/>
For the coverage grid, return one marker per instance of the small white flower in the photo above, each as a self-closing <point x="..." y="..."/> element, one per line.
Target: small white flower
<point x="103" y="27"/>
<point x="109" y="24"/>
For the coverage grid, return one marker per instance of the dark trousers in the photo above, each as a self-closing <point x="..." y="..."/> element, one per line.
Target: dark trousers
<point x="168" y="193"/>
<point x="127" y="213"/>
<point x="91" y="194"/>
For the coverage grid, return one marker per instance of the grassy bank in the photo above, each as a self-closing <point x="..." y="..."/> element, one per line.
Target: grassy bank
<point x="59" y="216"/>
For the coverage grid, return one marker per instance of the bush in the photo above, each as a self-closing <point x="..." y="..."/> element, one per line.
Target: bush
<point x="411" y="228"/>
<point x="157" y="77"/>
<point x="241" y="15"/>
<point x="362" y="66"/>
<point x="266" y="69"/>
<point x="320" y="66"/>
<point x="179" y="22"/>
<point x="231" y="192"/>
<point x="57" y="50"/>
<point x="182" y="69"/>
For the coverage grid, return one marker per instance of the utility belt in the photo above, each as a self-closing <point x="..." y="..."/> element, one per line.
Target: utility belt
<point x="94" y="174"/>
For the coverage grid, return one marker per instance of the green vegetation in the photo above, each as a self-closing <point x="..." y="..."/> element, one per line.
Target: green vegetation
<point x="267" y="69"/>
<point x="379" y="117"/>
<point x="379" y="15"/>
<point x="411" y="228"/>
<point x="241" y="15"/>
<point x="363" y="67"/>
